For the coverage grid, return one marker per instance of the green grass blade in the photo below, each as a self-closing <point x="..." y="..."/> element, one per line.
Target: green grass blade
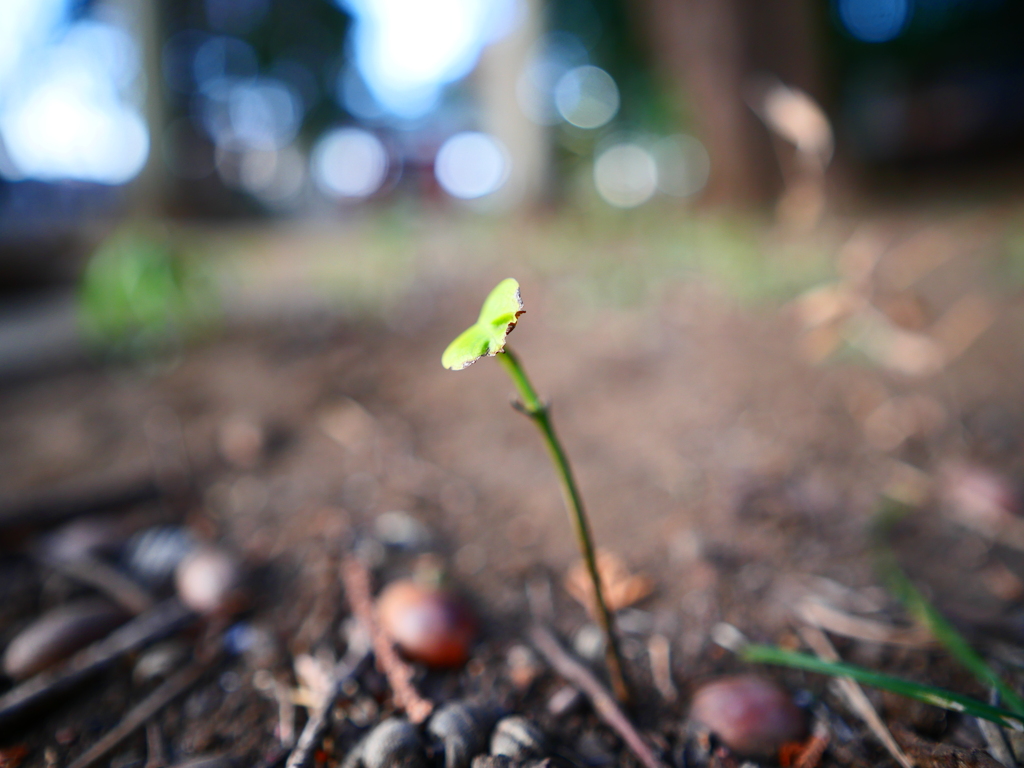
<point x="946" y="633"/>
<point x="939" y="697"/>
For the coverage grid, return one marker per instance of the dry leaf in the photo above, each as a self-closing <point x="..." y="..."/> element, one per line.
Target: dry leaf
<point x="620" y="587"/>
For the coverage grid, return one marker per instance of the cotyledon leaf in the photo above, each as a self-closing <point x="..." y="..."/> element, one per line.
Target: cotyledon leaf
<point x="498" y="316"/>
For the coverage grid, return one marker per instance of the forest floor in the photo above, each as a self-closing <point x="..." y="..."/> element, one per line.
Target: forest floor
<point x="732" y="445"/>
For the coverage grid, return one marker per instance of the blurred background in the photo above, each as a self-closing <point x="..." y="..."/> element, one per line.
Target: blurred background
<point x="273" y="115"/>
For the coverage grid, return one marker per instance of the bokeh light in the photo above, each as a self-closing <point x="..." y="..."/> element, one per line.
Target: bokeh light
<point x="25" y="26"/>
<point x="626" y="175"/>
<point x="683" y="165"/>
<point x="223" y="57"/>
<point x="407" y="50"/>
<point x="350" y="163"/>
<point x="259" y="114"/>
<point x="67" y="114"/>
<point x="874" y="21"/>
<point x="587" y="97"/>
<point x="554" y="55"/>
<point x="471" y="165"/>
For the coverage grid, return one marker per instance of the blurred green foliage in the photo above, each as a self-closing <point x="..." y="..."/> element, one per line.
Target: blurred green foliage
<point x="139" y="295"/>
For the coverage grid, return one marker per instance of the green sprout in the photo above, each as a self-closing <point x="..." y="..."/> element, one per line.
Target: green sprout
<point x="937" y="697"/>
<point x="486" y="337"/>
<point x="1012" y="716"/>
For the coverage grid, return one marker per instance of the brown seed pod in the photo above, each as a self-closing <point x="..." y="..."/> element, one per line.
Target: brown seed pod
<point x="750" y="715"/>
<point x="57" y="634"/>
<point x="428" y="624"/>
<point x="210" y="580"/>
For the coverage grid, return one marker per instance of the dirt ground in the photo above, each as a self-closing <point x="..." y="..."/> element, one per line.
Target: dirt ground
<point x="735" y="453"/>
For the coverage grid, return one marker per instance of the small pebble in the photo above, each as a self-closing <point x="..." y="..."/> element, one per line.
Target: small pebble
<point x="230" y="681"/>
<point x="523" y="666"/>
<point x="394" y="743"/>
<point x="493" y="761"/>
<point x="429" y="624"/>
<point x="749" y="714"/>
<point x="463" y="728"/>
<point x="518" y="738"/>
<point x="58" y="633"/>
<point x="153" y="554"/>
<point x="588" y="642"/>
<point x="209" y="580"/>
<point x="402" y="531"/>
<point x="159" y="661"/>
<point x="564" y="701"/>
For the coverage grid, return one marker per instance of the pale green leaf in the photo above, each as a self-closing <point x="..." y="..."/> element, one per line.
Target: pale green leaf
<point x="500" y="312"/>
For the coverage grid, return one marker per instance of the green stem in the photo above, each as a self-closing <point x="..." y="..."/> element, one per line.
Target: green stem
<point x="938" y="697"/>
<point x="537" y="411"/>
<point x="943" y="631"/>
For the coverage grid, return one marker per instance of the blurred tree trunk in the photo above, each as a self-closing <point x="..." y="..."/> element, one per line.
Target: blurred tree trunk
<point x="142" y="18"/>
<point x="708" y="49"/>
<point x="528" y="144"/>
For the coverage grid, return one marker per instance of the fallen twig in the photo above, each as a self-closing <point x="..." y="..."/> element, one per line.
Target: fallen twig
<point x="659" y="651"/>
<point x="603" y="702"/>
<point x="816" y="746"/>
<point x="100" y="494"/>
<point x="170" y="689"/>
<point x="344" y="671"/>
<point x="108" y="580"/>
<point x="995" y="737"/>
<point x="839" y="622"/>
<point x="854" y="695"/>
<point x="155" y="755"/>
<point x="149" y="627"/>
<point x="397" y="671"/>
<point x="285" y="714"/>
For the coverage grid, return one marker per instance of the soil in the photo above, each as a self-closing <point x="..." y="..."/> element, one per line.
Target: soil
<point x="714" y="457"/>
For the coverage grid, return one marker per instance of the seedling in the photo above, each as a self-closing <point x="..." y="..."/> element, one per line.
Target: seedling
<point x="487" y="337"/>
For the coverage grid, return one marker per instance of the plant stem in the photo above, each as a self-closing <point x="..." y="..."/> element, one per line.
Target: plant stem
<point x="944" y="632"/>
<point x="533" y="407"/>
<point x="938" y="697"/>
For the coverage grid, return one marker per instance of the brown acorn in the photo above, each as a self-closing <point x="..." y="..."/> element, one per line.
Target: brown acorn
<point x="749" y="714"/>
<point x="428" y="623"/>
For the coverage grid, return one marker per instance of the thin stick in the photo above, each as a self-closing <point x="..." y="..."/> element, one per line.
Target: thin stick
<point x="995" y="738"/>
<point x="816" y="746"/>
<point x="319" y="717"/>
<point x="155" y="756"/>
<point x="537" y="411"/>
<point x="603" y="702"/>
<point x="838" y="622"/>
<point x="854" y="695"/>
<point x="151" y="626"/>
<point x="398" y="673"/>
<point x="95" y="573"/>
<point x="170" y="689"/>
<point x="285" y="714"/>
<point x="659" y="651"/>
